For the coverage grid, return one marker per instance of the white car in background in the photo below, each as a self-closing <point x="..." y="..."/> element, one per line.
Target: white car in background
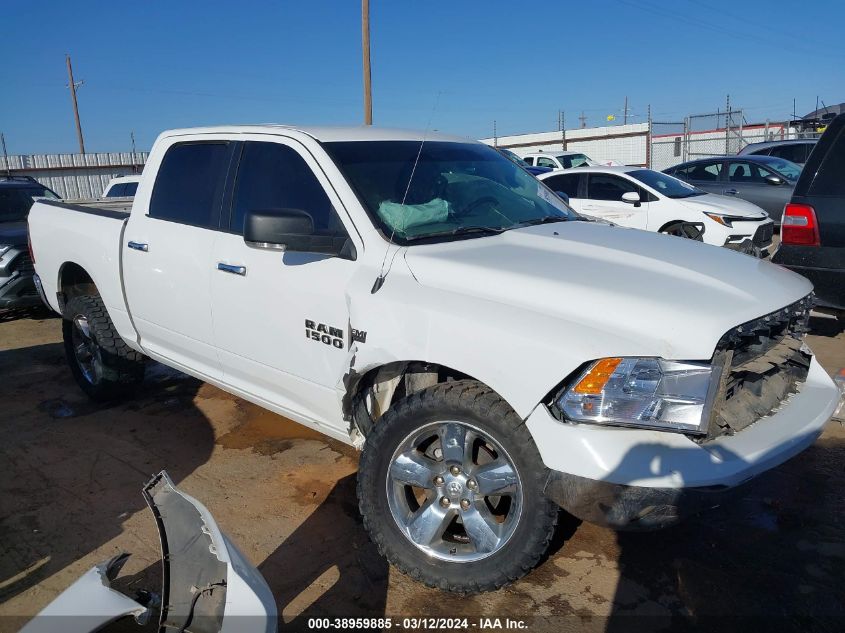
<point x="646" y="199"/>
<point x="558" y="160"/>
<point x="122" y="187"/>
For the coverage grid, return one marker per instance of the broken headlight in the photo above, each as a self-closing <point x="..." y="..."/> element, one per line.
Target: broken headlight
<point x="643" y="392"/>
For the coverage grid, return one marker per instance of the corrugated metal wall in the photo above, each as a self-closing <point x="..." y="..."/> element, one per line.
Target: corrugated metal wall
<point x="76" y="175"/>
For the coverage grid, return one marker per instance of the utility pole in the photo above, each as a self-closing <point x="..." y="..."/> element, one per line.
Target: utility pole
<point x="561" y="118"/>
<point x="625" y="114"/>
<point x="134" y="161"/>
<point x="365" y="38"/>
<point x="495" y="135"/>
<point x="648" y="140"/>
<point x="73" y="86"/>
<point x="5" y="155"/>
<point x="583" y="120"/>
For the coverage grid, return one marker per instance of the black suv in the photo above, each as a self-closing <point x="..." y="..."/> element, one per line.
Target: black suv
<point x="17" y="193"/>
<point x="813" y="225"/>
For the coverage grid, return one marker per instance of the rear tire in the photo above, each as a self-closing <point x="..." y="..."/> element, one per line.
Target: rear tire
<point x="474" y="517"/>
<point x="103" y="365"/>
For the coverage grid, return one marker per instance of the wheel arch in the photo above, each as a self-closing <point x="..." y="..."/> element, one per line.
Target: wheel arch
<point x="74" y="281"/>
<point x="370" y="393"/>
<point x="666" y="225"/>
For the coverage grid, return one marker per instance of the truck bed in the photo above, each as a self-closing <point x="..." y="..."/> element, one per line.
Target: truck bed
<point x="89" y="234"/>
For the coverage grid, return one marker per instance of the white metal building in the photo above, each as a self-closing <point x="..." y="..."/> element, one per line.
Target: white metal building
<point x="623" y="143"/>
<point x="75" y="175"/>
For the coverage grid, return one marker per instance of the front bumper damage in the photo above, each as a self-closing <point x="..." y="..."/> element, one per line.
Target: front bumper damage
<point x="624" y="507"/>
<point x="208" y="585"/>
<point x="642" y="479"/>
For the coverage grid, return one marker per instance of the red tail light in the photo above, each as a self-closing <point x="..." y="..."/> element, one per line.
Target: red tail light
<point x="799" y="226"/>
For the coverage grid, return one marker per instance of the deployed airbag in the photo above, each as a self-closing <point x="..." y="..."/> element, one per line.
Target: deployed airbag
<point x="406" y="216"/>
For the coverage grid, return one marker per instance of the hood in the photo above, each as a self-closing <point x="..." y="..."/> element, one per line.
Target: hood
<point x="667" y="296"/>
<point x="12" y="233"/>
<point x="724" y="204"/>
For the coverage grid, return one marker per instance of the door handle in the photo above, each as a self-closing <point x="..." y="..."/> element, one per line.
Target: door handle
<point x="138" y="246"/>
<point x="731" y="192"/>
<point x="231" y="268"/>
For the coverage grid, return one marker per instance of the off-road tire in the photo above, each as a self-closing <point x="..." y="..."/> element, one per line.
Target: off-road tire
<point x="122" y="367"/>
<point x="473" y="403"/>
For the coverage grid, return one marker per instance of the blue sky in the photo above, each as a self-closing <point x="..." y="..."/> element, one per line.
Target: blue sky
<point x="149" y="66"/>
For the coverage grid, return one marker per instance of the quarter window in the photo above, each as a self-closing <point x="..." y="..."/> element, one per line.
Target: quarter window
<point x="189" y="184"/>
<point x="116" y="191"/>
<point x="272" y="176"/>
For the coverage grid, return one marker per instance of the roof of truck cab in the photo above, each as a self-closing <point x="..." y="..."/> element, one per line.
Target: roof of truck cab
<point x="325" y="134"/>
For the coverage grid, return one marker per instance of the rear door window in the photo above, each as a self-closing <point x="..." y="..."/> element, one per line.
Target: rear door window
<point x="272" y="176"/>
<point x="542" y="161"/>
<point x="608" y="187"/>
<point x="796" y="152"/>
<point x="130" y="188"/>
<point x="704" y="172"/>
<point x="567" y="183"/>
<point x="189" y="184"/>
<point x="747" y="173"/>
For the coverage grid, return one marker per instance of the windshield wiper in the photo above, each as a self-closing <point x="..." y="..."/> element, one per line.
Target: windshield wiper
<point x="547" y="220"/>
<point x="461" y="230"/>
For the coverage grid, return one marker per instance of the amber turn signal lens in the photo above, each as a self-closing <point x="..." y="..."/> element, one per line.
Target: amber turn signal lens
<point x="595" y="379"/>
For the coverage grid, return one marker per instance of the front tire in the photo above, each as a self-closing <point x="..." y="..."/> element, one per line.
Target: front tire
<point x="103" y="365"/>
<point x="450" y="486"/>
<point x="686" y="230"/>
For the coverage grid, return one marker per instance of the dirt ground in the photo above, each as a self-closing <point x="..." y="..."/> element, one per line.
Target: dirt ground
<point x="70" y="498"/>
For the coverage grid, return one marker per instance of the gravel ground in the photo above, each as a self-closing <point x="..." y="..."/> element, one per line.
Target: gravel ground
<point x="73" y="470"/>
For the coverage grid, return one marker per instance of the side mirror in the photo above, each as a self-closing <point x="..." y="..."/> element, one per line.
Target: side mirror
<point x="631" y="197"/>
<point x="563" y="196"/>
<point x="773" y="180"/>
<point x="292" y="230"/>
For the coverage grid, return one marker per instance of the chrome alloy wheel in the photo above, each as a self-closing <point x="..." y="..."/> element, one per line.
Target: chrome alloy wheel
<point x="86" y="351"/>
<point x="454" y="492"/>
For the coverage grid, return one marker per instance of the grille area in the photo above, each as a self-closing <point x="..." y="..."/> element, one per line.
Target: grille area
<point x="765" y="361"/>
<point x="23" y="264"/>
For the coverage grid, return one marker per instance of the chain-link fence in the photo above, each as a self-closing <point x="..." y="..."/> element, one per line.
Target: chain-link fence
<point x="666" y="144"/>
<point x="714" y="134"/>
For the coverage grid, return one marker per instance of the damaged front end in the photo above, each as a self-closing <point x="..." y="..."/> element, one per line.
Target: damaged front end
<point x="208" y="585"/>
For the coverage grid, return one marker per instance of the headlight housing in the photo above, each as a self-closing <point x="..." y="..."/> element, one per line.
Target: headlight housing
<point x="724" y="220"/>
<point x="647" y="393"/>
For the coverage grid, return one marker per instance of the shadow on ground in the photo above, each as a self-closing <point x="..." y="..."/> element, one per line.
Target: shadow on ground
<point x="76" y="467"/>
<point x="772" y="559"/>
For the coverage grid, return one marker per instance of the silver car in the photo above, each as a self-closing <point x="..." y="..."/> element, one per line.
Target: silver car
<point x="763" y="180"/>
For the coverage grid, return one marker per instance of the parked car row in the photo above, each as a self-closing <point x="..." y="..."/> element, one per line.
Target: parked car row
<point x="646" y="199"/>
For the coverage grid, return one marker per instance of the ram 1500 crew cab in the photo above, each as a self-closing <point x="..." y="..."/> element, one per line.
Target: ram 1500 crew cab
<point x="493" y="354"/>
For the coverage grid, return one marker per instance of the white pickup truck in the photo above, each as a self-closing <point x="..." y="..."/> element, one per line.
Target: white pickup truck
<point x="422" y="297"/>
